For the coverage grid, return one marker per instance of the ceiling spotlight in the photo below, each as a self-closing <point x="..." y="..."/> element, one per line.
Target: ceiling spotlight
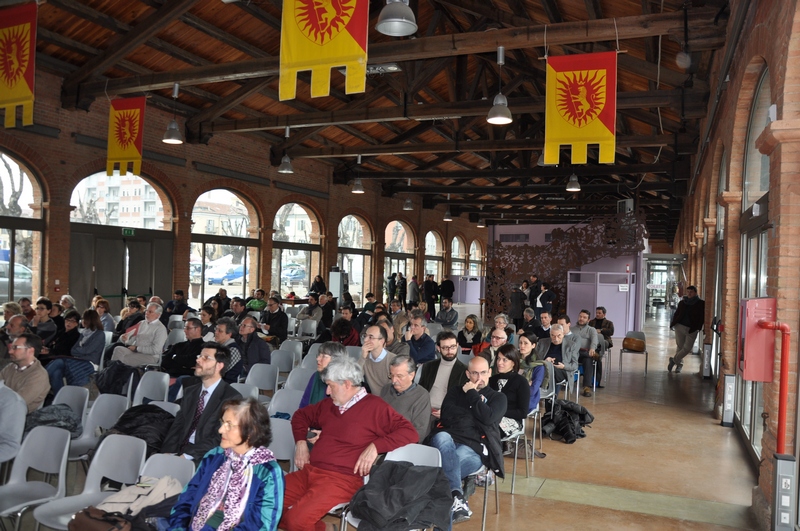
<point x="573" y="185"/>
<point x="396" y="19"/>
<point x="481" y="223"/>
<point x="286" y="165"/>
<point x="683" y="60"/>
<point x="408" y="205"/>
<point x="500" y="114"/>
<point x="358" y="187"/>
<point x="447" y="215"/>
<point x="173" y="132"/>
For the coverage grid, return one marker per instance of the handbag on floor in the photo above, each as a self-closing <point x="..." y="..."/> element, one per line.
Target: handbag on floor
<point x="94" y="519"/>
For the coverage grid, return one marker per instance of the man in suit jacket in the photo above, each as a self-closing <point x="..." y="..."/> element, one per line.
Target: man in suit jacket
<point x="193" y="438"/>
<point x="562" y="354"/>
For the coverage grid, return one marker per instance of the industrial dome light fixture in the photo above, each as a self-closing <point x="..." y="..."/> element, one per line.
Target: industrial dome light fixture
<point x="481" y="223"/>
<point x="173" y="132"/>
<point x="500" y="114"/>
<point x="358" y="186"/>
<point x="408" y="205"/>
<point x="286" y="162"/>
<point x="447" y="215"/>
<point x="396" y="19"/>
<point x="573" y="185"/>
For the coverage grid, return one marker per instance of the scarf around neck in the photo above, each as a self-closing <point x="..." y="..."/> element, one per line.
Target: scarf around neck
<point x="230" y="487"/>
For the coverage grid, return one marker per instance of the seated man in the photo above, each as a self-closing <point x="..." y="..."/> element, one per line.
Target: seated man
<point x="195" y="430"/>
<point x="180" y="359"/>
<point x="375" y="359"/>
<point x="420" y="344"/>
<point x="354" y="428"/>
<point x="177" y="306"/>
<point x="562" y="354"/>
<point x="15" y="327"/>
<point x="144" y="344"/>
<point x="393" y="343"/>
<point x="237" y="311"/>
<point x="347" y="315"/>
<point x="258" y="302"/>
<point x="498" y="337"/>
<point x="133" y="316"/>
<point x="447" y="316"/>
<point x="587" y="352"/>
<point x="275" y="322"/>
<point x="543" y="331"/>
<point x="25" y="375"/>
<point x="440" y="375"/>
<point x="529" y="323"/>
<point x="225" y="335"/>
<point x="312" y="311"/>
<point x="468" y="432"/>
<point x="328" y="309"/>
<point x="605" y="331"/>
<point x="406" y="397"/>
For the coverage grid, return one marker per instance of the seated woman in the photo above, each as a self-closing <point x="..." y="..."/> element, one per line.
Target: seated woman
<point x="63" y="343"/>
<point x="343" y="331"/>
<point x="470" y="335"/>
<point x="316" y="389"/>
<point x="208" y="316"/>
<point x="423" y="307"/>
<point x="238" y="485"/>
<point x="509" y="382"/>
<point x="103" y="309"/>
<point x="85" y="355"/>
<point x="533" y="369"/>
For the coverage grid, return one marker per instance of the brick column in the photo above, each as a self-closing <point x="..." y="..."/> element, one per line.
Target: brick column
<point x="56" y="249"/>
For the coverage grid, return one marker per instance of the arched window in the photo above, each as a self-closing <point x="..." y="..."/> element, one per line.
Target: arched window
<point x="21" y="230"/>
<point x="458" y="259"/>
<point x="355" y="255"/>
<point x="123" y="201"/>
<point x="296" y="249"/>
<point x="434" y="255"/>
<point x="225" y="246"/>
<point x="756" y="164"/>
<point x="399" y="251"/>
<point x="475" y="259"/>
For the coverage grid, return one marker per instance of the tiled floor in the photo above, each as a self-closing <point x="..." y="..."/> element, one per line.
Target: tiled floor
<point x="654" y="458"/>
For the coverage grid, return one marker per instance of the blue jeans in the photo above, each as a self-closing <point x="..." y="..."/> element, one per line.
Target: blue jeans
<point x="76" y="371"/>
<point x="458" y="460"/>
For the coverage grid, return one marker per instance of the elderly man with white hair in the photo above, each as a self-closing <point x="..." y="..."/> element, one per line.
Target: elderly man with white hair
<point x="354" y="427"/>
<point x="145" y="343"/>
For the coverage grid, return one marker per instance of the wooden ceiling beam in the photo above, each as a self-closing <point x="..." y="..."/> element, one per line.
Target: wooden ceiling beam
<point x="537" y="171"/>
<point x="139" y="34"/>
<point x="532" y="188"/>
<point x="425" y="48"/>
<point x="222" y="106"/>
<point x="625" y="100"/>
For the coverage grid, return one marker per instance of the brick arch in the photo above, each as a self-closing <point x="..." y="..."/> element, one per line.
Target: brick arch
<point x="36" y="165"/>
<point x="311" y="208"/>
<point x="364" y="218"/>
<point x="240" y="190"/>
<point x="410" y="229"/>
<point x="460" y="235"/>
<point x="716" y="163"/>
<point x="445" y="251"/>
<point x="162" y="184"/>
<point x="744" y="103"/>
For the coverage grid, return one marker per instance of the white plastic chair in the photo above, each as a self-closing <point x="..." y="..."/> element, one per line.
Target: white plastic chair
<point x="282" y="444"/>
<point x="174" y="466"/>
<point x="119" y="458"/>
<point x="292" y="311"/>
<point x="255" y="314"/>
<point x="311" y="358"/>
<point x="465" y="358"/>
<point x="622" y="350"/>
<point x="296" y="348"/>
<point x="434" y="329"/>
<point x="175" y="322"/>
<point x="75" y="396"/>
<point x="521" y="433"/>
<point x="176" y="335"/>
<point x="285" y="401"/>
<point x="284" y="360"/>
<point x="44" y="449"/>
<point x="154" y="385"/>
<point x="246" y="390"/>
<point x="170" y="407"/>
<point x="299" y="377"/>
<point x="265" y="377"/>
<point x="354" y="352"/>
<point x="308" y="330"/>
<point x="109" y="336"/>
<point x="105" y="412"/>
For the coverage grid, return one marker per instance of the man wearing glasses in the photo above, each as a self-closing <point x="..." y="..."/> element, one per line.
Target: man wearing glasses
<point x="275" y="322"/>
<point x="468" y="432"/>
<point x="224" y="334"/>
<point x="180" y="359"/>
<point x="497" y="340"/>
<point x="439" y="376"/>
<point x="195" y="430"/>
<point x="42" y="325"/>
<point x="375" y="359"/>
<point x="420" y="344"/>
<point x="25" y="375"/>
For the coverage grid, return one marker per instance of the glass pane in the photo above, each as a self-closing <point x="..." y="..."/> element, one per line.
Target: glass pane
<point x="227" y="266"/>
<point x="762" y="264"/>
<point x="295" y="270"/>
<point x="27" y="260"/>
<point x="351" y="233"/>
<point x="18" y="187"/>
<point x="399" y="238"/>
<point x="6" y="276"/>
<point x="738" y="401"/>
<point x="456" y="247"/>
<point x="756" y="164"/>
<point x="198" y="292"/>
<point x="222" y="213"/>
<point x="433" y="244"/>
<point x="474" y="269"/>
<point x="457" y="268"/>
<point x="758" y="422"/>
<point x="434" y="267"/>
<point x="353" y="264"/>
<point x="747" y="391"/>
<point x="127" y="201"/>
<point x="752" y="267"/>
<point x="293" y="224"/>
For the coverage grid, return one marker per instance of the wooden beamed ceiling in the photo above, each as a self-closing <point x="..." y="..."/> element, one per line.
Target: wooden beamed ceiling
<point x="426" y="123"/>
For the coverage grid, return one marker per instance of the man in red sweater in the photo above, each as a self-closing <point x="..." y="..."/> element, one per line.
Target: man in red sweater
<point x="351" y="427"/>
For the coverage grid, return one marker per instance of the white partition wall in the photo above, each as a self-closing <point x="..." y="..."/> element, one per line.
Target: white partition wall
<point x="615" y="290"/>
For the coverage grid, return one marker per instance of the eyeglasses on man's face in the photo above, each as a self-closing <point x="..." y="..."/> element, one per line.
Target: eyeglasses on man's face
<point x="448" y="348"/>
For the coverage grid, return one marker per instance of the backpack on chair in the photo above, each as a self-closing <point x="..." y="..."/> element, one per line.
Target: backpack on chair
<point x="114" y="378"/>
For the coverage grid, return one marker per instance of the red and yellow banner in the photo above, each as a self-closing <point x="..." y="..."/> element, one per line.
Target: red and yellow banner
<point x="318" y="35"/>
<point x="125" y="129"/>
<point x="581" y="106"/>
<point x="17" y="62"/>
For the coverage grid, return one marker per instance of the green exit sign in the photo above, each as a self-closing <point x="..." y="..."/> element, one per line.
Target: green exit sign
<point x="128" y="232"/>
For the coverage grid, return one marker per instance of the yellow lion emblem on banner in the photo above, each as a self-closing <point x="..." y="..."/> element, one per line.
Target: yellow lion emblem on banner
<point x="581" y="95"/>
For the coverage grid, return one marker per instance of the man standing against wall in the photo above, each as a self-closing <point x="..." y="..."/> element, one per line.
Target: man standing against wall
<point x="687" y="322"/>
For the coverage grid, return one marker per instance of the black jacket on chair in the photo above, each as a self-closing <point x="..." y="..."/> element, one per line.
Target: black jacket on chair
<point x="207" y="435"/>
